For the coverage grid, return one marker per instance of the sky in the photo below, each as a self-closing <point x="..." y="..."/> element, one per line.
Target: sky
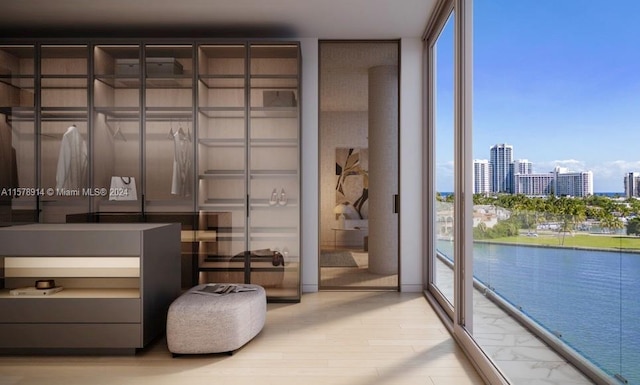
<point x="557" y="80"/>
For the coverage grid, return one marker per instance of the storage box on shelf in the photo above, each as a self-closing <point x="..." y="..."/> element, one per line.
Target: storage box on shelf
<point x="118" y="281"/>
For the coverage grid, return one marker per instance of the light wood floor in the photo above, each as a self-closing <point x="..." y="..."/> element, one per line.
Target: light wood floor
<point x="356" y="277"/>
<point x="329" y="338"/>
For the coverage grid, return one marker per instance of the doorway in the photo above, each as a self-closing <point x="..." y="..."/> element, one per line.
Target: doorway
<point x="359" y="156"/>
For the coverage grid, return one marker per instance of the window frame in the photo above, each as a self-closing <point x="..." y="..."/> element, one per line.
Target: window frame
<point x="459" y="318"/>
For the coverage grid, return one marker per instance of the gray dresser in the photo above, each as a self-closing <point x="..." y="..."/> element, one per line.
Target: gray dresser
<point x="117" y="281"/>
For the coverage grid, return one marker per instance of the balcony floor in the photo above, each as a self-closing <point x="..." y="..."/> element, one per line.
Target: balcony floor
<point x="522" y="356"/>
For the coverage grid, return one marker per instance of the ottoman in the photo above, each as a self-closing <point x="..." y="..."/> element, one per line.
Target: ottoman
<point x="202" y="323"/>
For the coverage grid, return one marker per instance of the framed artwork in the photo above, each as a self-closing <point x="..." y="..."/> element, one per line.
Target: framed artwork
<point x="352" y="181"/>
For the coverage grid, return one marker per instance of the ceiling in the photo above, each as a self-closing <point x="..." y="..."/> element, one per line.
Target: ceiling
<point x="323" y="19"/>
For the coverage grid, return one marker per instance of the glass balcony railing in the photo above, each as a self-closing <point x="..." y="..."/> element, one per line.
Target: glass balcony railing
<point x="574" y="287"/>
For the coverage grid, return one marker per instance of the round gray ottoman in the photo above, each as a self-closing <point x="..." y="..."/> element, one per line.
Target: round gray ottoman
<point x="201" y="323"/>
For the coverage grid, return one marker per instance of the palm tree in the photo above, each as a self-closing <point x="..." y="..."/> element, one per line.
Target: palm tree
<point x="571" y="211"/>
<point x="611" y="223"/>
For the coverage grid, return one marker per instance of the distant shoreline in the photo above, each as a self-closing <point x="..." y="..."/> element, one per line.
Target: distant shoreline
<point x="602" y="194"/>
<point x="609" y="249"/>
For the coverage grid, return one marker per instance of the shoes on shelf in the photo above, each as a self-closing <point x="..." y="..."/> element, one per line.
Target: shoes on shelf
<point x="282" y="199"/>
<point x="274" y="198"/>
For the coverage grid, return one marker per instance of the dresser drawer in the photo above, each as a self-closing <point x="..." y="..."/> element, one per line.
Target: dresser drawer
<point x="70" y="310"/>
<point x="78" y="336"/>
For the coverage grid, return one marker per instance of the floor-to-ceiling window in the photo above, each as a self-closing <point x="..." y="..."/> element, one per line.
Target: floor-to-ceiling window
<point x="555" y="100"/>
<point x="443" y="135"/>
<point x="551" y="233"/>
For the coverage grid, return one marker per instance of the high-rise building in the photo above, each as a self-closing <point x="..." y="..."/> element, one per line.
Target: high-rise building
<point x="481" y="176"/>
<point x="576" y="184"/>
<point x="500" y="163"/>
<point x="522" y="166"/>
<point x="541" y="184"/>
<point x="632" y="184"/>
<point x="559" y="182"/>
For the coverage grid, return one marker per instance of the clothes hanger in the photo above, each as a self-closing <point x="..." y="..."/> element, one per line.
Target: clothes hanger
<point x="119" y="133"/>
<point x="116" y="132"/>
<point x="182" y="134"/>
<point x="181" y="131"/>
<point x="188" y="132"/>
<point x="171" y="134"/>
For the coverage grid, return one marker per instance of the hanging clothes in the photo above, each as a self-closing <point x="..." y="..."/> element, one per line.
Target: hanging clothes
<point x="181" y="180"/>
<point x="8" y="162"/>
<point x="72" y="161"/>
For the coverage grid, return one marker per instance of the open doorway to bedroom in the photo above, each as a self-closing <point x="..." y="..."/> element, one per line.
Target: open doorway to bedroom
<point x="359" y="165"/>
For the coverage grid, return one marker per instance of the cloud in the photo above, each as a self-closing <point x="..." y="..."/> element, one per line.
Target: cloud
<point x="608" y="168"/>
<point x="615" y="168"/>
<point x="445" y="168"/>
<point x="570" y="164"/>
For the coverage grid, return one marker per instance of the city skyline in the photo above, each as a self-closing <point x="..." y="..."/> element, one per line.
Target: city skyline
<point x="504" y="173"/>
<point x="561" y="85"/>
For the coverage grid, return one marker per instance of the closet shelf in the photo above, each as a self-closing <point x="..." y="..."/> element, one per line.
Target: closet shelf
<point x="80" y="293"/>
<point x="119" y="113"/>
<point x="222" y="174"/>
<point x="237" y="204"/>
<point x="18" y="114"/>
<point x="273" y="173"/>
<point x="169" y="113"/>
<point x="286" y="142"/>
<point x="119" y="81"/>
<point x="264" y="203"/>
<point x="176" y="81"/>
<point x="253" y="173"/>
<point x="223" y="81"/>
<point x="222" y="142"/>
<point x="273" y="87"/>
<point x="274" y="76"/>
<point x="274" y="112"/>
<point x="175" y="200"/>
<point x="64" y="82"/>
<point x="64" y="114"/>
<point x="274" y="82"/>
<point x="222" y="112"/>
<point x="18" y="81"/>
<point x="272" y="233"/>
<point x="64" y="76"/>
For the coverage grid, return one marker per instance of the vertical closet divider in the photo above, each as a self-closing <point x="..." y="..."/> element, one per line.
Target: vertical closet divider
<point x="194" y="121"/>
<point x="38" y="129"/>
<point x="90" y="123"/>
<point x="143" y="125"/>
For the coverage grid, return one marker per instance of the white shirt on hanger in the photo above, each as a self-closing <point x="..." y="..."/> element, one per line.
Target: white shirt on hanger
<point x="72" y="161"/>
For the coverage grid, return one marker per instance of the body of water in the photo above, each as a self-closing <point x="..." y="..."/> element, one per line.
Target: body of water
<point x="610" y="194"/>
<point x="590" y="299"/>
